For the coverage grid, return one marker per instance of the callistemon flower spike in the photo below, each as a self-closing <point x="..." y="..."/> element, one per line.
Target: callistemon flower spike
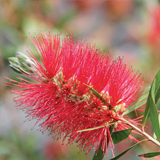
<point x="47" y="46"/>
<point x="76" y="92"/>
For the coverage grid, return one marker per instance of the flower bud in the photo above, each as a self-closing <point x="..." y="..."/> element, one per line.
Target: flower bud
<point x="21" y="64"/>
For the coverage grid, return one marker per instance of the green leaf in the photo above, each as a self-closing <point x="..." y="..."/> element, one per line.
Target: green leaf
<point x="124" y="152"/>
<point x="156" y="83"/>
<point x="96" y="94"/>
<point x="120" y="135"/>
<point x="141" y="101"/>
<point x="151" y="108"/>
<point x="157" y="94"/>
<point x="90" y="129"/>
<point x="99" y="155"/>
<point x="155" y="121"/>
<point x="154" y="135"/>
<point x="149" y="155"/>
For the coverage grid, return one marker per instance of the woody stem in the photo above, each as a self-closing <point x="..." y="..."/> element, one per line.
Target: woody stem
<point x="142" y="132"/>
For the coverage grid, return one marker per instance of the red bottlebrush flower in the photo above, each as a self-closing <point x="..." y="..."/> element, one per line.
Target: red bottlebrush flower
<point x="62" y="91"/>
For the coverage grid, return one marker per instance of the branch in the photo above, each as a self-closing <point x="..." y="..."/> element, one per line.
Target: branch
<point x="142" y="132"/>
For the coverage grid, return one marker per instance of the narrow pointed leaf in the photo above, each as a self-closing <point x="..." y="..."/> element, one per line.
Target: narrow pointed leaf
<point x="155" y="121"/>
<point x="157" y="94"/>
<point x="156" y="83"/>
<point x="124" y="152"/>
<point x="149" y="155"/>
<point x="99" y="155"/>
<point x="120" y="135"/>
<point x="96" y="93"/>
<point x="154" y="135"/>
<point x="90" y="129"/>
<point x="141" y="101"/>
<point x="151" y="108"/>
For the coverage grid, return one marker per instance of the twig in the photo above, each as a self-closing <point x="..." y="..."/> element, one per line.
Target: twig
<point x="142" y="132"/>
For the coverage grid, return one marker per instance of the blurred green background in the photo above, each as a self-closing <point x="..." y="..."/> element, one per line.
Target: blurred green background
<point x="128" y="28"/>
